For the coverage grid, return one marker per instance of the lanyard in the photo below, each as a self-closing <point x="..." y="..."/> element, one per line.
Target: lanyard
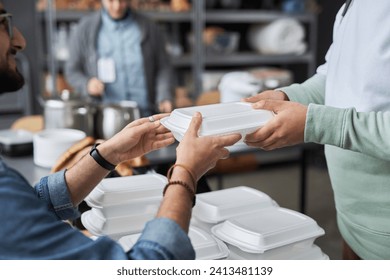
<point x="347" y="4"/>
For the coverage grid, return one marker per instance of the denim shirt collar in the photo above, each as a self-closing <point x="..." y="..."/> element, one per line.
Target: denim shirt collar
<point x="112" y="24"/>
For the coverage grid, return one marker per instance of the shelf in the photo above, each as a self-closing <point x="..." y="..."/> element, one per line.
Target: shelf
<point x="235" y="59"/>
<point x="253" y="16"/>
<point x="170" y="16"/>
<point x="185" y="60"/>
<point x="67" y="15"/>
<point x="182" y="61"/>
<point x="70" y="16"/>
<point x="248" y="58"/>
<point x="212" y="16"/>
<point x="200" y="17"/>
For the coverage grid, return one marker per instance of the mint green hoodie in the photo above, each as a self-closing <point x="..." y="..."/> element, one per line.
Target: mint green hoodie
<point x="357" y="147"/>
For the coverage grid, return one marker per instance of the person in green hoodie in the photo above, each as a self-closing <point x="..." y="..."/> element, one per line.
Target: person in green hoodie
<point x="346" y="107"/>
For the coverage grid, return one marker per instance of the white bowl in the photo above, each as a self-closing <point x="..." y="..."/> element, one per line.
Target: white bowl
<point x="50" y="144"/>
<point x="205" y="245"/>
<point x="218" y="119"/>
<point x="268" y="229"/>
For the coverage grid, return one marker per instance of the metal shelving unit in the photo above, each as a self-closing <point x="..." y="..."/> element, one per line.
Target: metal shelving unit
<point x="198" y="18"/>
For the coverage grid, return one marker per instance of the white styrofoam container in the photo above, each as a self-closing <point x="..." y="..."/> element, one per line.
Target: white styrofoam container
<point x="124" y="225"/>
<point x="289" y="252"/>
<point x="268" y="229"/>
<point x="205" y="245"/>
<point x="139" y="206"/>
<point x="200" y="224"/>
<point x="123" y="190"/>
<point x="218" y="119"/>
<point x="217" y="206"/>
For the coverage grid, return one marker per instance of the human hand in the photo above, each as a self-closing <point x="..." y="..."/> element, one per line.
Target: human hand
<point x="137" y="138"/>
<point x="268" y="94"/>
<point x="95" y="87"/>
<point x="285" y="129"/>
<point x="200" y="154"/>
<point x="165" y="106"/>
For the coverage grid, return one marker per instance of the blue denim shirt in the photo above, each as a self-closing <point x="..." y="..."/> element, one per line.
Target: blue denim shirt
<point x="32" y="226"/>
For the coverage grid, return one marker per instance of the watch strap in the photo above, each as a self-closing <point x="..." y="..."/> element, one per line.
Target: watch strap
<point x="99" y="159"/>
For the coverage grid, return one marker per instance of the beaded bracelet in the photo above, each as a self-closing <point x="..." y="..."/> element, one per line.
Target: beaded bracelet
<point x="170" y="170"/>
<point x="185" y="185"/>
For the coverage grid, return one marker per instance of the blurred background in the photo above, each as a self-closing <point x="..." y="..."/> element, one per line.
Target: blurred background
<point x="220" y="51"/>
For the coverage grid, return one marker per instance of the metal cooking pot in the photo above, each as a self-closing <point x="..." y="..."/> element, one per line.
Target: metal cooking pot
<point x="77" y="114"/>
<point x="111" y="118"/>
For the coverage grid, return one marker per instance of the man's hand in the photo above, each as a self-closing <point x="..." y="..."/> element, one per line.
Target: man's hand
<point x="165" y="106"/>
<point x="200" y="154"/>
<point x="95" y="87"/>
<point x="136" y="139"/>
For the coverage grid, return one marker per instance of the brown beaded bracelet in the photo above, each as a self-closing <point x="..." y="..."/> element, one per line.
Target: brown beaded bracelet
<point x="170" y="170"/>
<point x="185" y="185"/>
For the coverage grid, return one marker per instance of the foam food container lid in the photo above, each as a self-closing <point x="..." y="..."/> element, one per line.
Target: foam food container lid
<point x="137" y="206"/>
<point x="289" y="252"/>
<point x="205" y="245"/>
<point x="122" y="190"/>
<point x="218" y="119"/>
<point x="267" y="229"/>
<point x="99" y="225"/>
<point x="217" y="206"/>
<point x="17" y="136"/>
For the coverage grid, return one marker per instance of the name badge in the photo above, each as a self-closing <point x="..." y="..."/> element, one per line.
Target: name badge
<point x="106" y="70"/>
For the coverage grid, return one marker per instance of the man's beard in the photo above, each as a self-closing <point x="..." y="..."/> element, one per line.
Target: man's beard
<point x="10" y="80"/>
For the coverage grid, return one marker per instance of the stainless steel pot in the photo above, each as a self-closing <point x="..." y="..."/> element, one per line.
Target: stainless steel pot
<point x="75" y="114"/>
<point x="111" y="118"/>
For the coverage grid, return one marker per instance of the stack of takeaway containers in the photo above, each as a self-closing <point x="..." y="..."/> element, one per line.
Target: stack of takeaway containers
<point x="122" y="206"/>
<point x="243" y="223"/>
<point x="253" y="226"/>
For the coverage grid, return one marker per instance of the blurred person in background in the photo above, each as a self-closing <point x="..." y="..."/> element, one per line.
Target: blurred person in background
<point x="32" y="218"/>
<point x="346" y="107"/>
<point x="118" y="54"/>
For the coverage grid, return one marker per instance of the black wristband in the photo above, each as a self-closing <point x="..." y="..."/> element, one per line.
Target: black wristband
<point x="99" y="159"/>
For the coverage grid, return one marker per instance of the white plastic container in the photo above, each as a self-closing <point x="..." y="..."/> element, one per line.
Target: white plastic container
<point x="288" y="252"/>
<point x="218" y="119"/>
<point x="50" y="144"/>
<point x="217" y="206"/>
<point x="126" y="190"/>
<point x="205" y="245"/>
<point x="117" y="226"/>
<point x="267" y="229"/>
<point x="195" y="222"/>
<point x="139" y="206"/>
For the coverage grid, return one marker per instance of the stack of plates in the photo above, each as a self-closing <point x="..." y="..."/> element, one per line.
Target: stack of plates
<point x="122" y="206"/>
<point x="206" y="246"/>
